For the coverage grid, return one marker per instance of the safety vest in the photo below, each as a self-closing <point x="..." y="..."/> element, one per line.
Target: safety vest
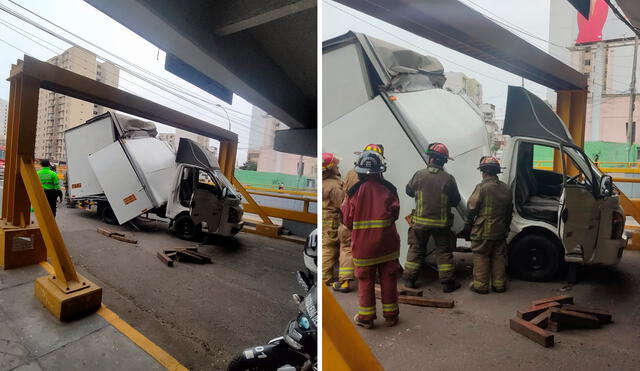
<point x="48" y="179"/>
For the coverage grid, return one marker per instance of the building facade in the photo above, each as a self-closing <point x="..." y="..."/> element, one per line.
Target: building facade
<point x="4" y="118"/>
<point x="57" y="112"/>
<point x="602" y="48"/>
<point x="261" y="139"/>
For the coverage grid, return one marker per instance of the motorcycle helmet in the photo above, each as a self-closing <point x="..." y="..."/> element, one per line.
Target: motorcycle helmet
<point x="311" y="252"/>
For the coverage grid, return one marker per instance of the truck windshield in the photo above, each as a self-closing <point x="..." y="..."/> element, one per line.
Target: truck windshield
<point x="225" y="182"/>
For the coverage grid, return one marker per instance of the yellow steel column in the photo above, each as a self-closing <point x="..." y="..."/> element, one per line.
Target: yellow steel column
<point x="571" y="106"/>
<point x="563" y="109"/>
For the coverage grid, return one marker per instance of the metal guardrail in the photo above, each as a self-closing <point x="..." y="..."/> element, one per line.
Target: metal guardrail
<point x="298" y="206"/>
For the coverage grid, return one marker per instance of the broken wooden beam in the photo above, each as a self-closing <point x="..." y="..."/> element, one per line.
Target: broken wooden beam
<point x="419" y="301"/>
<point x="109" y="233"/>
<point x="123" y="239"/>
<point x="535" y="333"/>
<point x="562" y="299"/>
<point x="532" y="312"/>
<point x="186" y="255"/>
<point x="604" y="316"/>
<point x="567" y="318"/>
<point x="165" y="259"/>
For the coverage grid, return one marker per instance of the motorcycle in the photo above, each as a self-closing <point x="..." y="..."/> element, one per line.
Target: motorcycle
<point x="297" y="349"/>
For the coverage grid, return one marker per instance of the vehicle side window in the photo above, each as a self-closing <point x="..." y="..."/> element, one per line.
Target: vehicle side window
<point x="206" y="181"/>
<point x="542" y="157"/>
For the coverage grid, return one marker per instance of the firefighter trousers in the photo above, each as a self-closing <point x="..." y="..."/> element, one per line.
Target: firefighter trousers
<point x="445" y="242"/>
<point x="346" y="270"/>
<point x="330" y="249"/>
<point x="388" y="273"/>
<point x="489" y="264"/>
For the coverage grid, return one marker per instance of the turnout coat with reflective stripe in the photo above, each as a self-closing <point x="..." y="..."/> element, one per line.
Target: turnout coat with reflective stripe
<point x="491" y="207"/>
<point x="332" y="197"/>
<point x="370" y="212"/>
<point x="435" y="192"/>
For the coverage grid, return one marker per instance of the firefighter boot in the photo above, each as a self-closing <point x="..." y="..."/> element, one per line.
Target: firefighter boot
<point x="450" y="286"/>
<point x="366" y="324"/>
<point x="473" y="288"/>
<point x="341" y="286"/>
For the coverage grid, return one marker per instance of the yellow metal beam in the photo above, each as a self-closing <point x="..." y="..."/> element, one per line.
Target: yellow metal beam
<point x="251" y="203"/>
<point x="342" y="347"/>
<point x="571" y="107"/>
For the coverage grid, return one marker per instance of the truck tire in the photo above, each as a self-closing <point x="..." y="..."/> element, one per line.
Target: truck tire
<point x="185" y="229"/>
<point x="108" y="216"/>
<point x="535" y="257"/>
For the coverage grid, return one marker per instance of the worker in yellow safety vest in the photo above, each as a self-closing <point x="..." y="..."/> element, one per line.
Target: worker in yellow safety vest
<point x="50" y="183"/>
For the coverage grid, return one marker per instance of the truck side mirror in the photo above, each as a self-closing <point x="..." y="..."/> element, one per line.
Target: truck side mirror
<point x="224" y="193"/>
<point x="606" y="186"/>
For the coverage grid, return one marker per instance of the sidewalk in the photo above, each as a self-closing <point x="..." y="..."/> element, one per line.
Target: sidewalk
<point x="32" y="339"/>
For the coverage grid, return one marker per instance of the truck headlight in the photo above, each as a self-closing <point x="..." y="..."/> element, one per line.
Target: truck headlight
<point x="617" y="225"/>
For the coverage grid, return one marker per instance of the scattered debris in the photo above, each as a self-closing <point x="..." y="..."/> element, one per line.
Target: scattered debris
<point x="116" y="236"/>
<point x="556" y="314"/>
<point x="183" y="255"/>
<point x="414" y="297"/>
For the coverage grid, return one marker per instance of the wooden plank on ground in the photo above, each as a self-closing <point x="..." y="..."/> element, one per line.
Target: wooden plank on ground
<point x="562" y="299"/>
<point x="535" y="333"/>
<point x="123" y="239"/>
<point x="165" y="259"/>
<point x="604" y="316"/>
<point x="542" y="319"/>
<point x="409" y="292"/>
<point x="567" y="318"/>
<point x="532" y="312"/>
<point x="419" y="301"/>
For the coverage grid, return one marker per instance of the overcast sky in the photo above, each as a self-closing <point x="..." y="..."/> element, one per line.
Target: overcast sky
<point x="530" y="15"/>
<point x="89" y="23"/>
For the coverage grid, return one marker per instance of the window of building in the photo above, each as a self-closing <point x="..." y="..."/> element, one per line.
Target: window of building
<point x="587" y="62"/>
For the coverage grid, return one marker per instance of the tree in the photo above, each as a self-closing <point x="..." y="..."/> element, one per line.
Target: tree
<point x="249" y="165"/>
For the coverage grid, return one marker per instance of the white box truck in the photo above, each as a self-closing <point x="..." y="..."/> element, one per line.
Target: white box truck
<point x="117" y="162"/>
<point x="377" y="92"/>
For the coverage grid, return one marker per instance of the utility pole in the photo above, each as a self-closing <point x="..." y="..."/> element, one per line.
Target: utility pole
<point x="632" y="101"/>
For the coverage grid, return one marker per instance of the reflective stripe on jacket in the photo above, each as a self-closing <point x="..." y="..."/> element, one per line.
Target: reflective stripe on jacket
<point x="370" y="212"/>
<point x="491" y="207"/>
<point x="332" y="197"/>
<point x="435" y="192"/>
<point x="48" y="179"/>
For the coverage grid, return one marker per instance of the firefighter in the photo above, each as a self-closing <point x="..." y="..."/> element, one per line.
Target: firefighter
<point x="346" y="270"/>
<point x="435" y="192"/>
<point x="370" y="213"/>
<point x="50" y="184"/>
<point x="490" y="209"/>
<point x="332" y="197"/>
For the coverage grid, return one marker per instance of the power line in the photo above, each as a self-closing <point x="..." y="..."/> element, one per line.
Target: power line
<point x="15" y="47"/>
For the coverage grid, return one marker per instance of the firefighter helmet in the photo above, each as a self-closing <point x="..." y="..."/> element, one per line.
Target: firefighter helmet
<point x="329" y="161"/>
<point x="489" y="162"/>
<point x="370" y="162"/>
<point x="438" y="150"/>
<point x="377" y="148"/>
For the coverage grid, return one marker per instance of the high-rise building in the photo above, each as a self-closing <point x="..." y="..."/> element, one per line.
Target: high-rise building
<point x="461" y="84"/>
<point x="4" y="117"/>
<point x="57" y="112"/>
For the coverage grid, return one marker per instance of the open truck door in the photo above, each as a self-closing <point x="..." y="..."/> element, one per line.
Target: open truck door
<point x="590" y="220"/>
<point x="119" y="181"/>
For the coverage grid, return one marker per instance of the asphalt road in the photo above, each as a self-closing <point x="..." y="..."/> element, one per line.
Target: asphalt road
<point x="203" y="315"/>
<point x="475" y="334"/>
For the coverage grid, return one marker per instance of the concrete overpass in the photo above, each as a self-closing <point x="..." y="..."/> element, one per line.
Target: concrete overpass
<point x="262" y="50"/>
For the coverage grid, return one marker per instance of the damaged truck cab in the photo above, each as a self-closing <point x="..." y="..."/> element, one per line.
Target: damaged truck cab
<point x="377" y="92"/>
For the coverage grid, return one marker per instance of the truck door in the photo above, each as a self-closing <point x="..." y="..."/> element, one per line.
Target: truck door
<point x="206" y="203"/>
<point x="579" y="212"/>
<point x="120" y="183"/>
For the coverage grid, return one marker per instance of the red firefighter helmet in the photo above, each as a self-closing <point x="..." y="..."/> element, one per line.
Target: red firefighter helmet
<point x="377" y="148"/>
<point x="438" y="150"/>
<point x="329" y="161"/>
<point x="489" y="162"/>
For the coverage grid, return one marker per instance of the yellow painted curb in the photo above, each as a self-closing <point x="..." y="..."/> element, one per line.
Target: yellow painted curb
<point x="159" y="354"/>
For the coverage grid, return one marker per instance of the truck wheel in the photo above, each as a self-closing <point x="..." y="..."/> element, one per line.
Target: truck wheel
<point x="108" y="216"/>
<point x="535" y="258"/>
<point x="185" y="229"/>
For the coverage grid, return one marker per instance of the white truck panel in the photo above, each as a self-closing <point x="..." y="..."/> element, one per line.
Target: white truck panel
<point x="448" y="118"/>
<point x="80" y="143"/>
<point x="373" y="122"/>
<point x="120" y="183"/>
<point x="157" y="169"/>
